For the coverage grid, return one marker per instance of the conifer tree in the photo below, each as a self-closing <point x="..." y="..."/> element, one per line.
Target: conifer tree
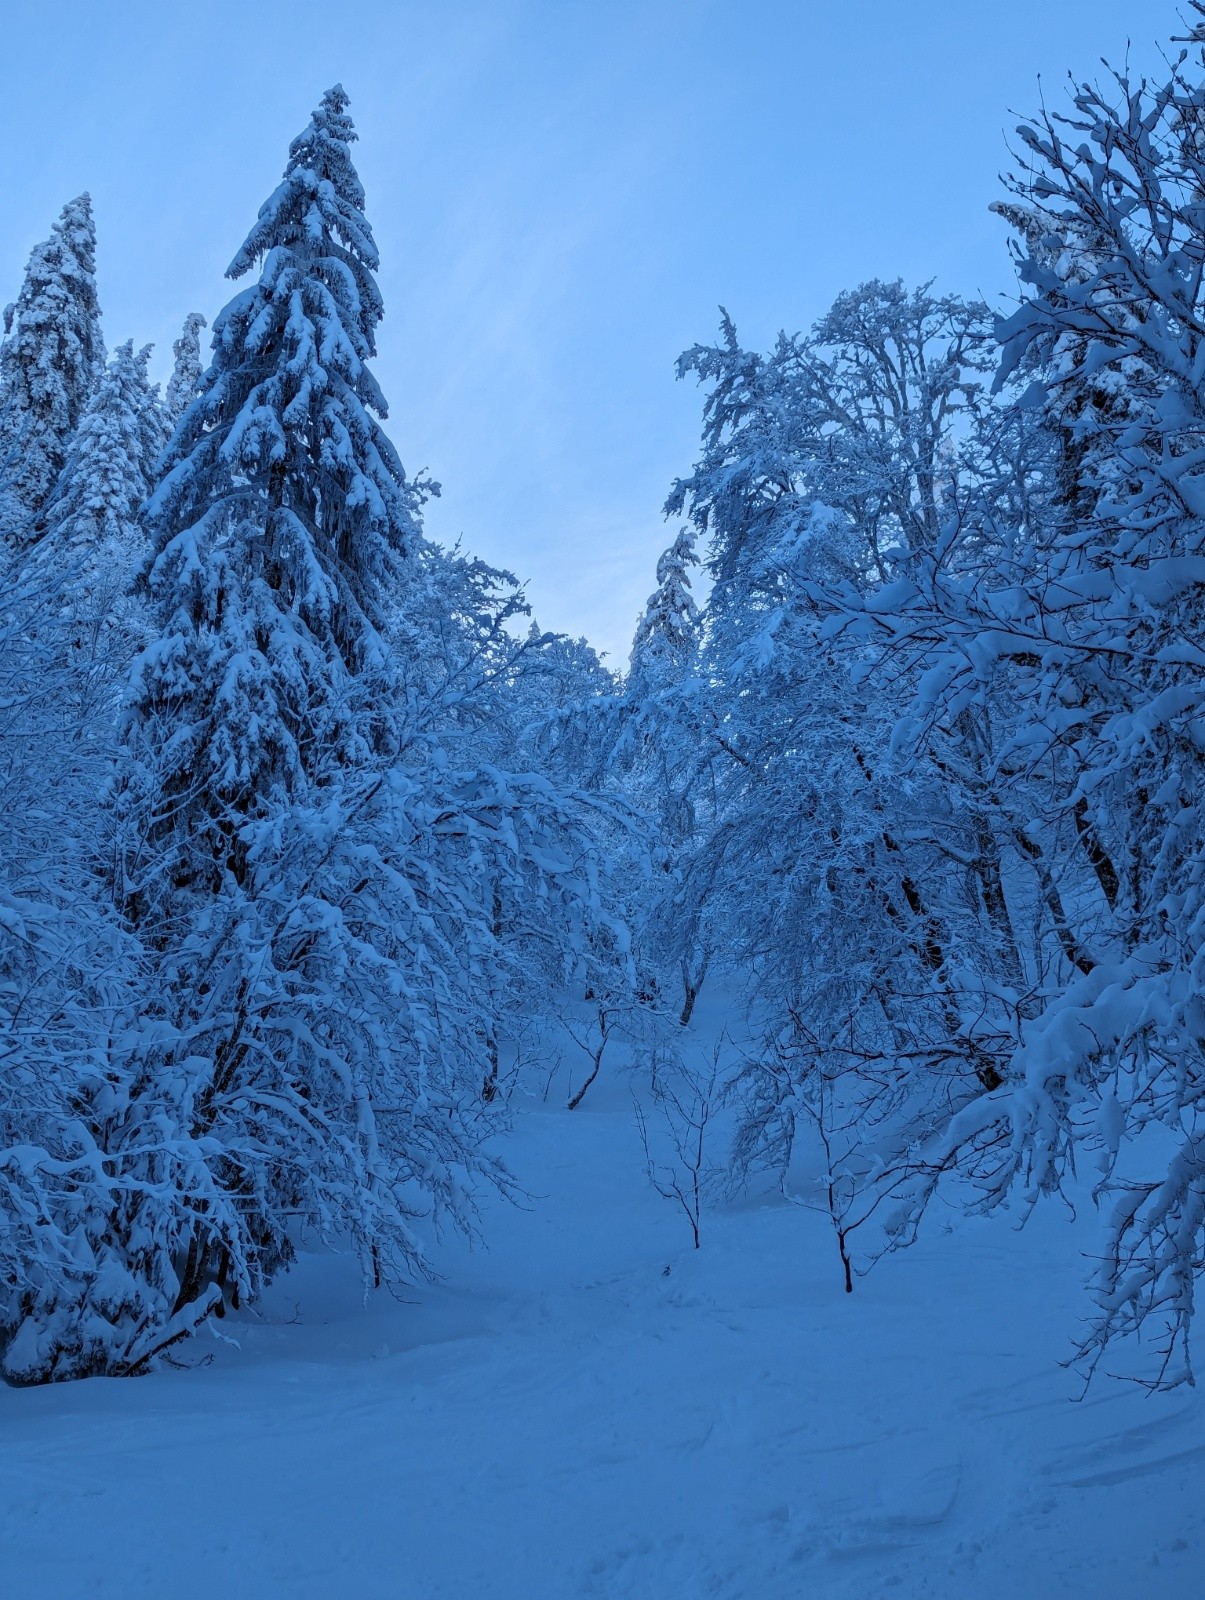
<point x="299" y="891"/>
<point x="93" y="517"/>
<point x="187" y="369"/>
<point x="285" y="431"/>
<point x="658" y="750"/>
<point x="95" y="542"/>
<point x="50" y="359"/>
<point x="283" y="514"/>
<point x="665" y="634"/>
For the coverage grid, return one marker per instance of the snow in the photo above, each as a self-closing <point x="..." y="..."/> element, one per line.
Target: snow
<point x="590" y="1407"/>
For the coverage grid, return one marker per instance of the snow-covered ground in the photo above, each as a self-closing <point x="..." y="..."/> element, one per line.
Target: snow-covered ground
<point x="591" y="1408"/>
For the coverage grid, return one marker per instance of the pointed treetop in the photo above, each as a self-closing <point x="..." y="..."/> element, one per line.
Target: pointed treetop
<point x="318" y="204"/>
<point x="672" y="563"/>
<point x="107" y="473"/>
<point x="330" y="120"/>
<point x="77" y="228"/>
<point x="94" y="540"/>
<point x="283" y="436"/>
<point x="68" y="256"/>
<point x="186" y="373"/>
<point x="52" y="356"/>
<point x="665" y="634"/>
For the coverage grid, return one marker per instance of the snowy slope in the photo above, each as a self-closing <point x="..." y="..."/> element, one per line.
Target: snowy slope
<point x="564" y="1416"/>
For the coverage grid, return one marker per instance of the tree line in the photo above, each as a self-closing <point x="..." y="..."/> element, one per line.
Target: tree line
<point x="307" y="835"/>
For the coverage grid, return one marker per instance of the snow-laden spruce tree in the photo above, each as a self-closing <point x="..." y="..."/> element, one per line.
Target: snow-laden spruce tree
<point x="666" y="633"/>
<point x="286" y="425"/>
<point x="315" y="878"/>
<point x="657" y="748"/>
<point x="111" y="463"/>
<point x="260" y="826"/>
<point x="94" y="537"/>
<point x="50" y="360"/>
<point x="187" y="368"/>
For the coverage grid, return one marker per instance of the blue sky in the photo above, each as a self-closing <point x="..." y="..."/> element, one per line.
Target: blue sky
<point x="563" y="193"/>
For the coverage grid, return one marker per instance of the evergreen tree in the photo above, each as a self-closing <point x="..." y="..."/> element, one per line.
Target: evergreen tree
<point x="282" y="522"/>
<point x="285" y="432"/>
<point x="151" y="417"/>
<point x="50" y="359"/>
<point x="657" y="749"/>
<point x="185" y="380"/>
<point x="94" y="516"/>
<point x="95" y="542"/>
<point x="318" y="884"/>
<point x="665" y="634"/>
<point x="283" y="515"/>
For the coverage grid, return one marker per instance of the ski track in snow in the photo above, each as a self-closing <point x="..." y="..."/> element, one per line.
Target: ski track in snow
<point x="561" y="1418"/>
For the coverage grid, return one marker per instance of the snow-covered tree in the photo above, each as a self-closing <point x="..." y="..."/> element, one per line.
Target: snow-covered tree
<point x="187" y="368"/>
<point x="97" y="1176"/>
<point x="286" y="426"/>
<point x="656" y="748"/>
<point x="262" y="836"/>
<point x="1093" y="621"/>
<point x="863" y="892"/>
<point x="94" y="533"/>
<point x="298" y="842"/>
<point x="666" y="632"/>
<point x="50" y="360"/>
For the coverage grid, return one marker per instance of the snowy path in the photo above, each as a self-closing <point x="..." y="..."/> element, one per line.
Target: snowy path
<point x="562" y="1418"/>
